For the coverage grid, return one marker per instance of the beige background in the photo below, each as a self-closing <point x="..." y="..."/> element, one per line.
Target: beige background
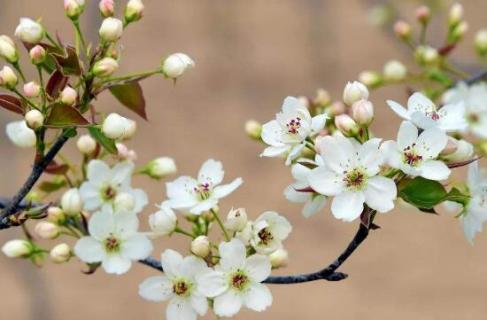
<point x="250" y="54"/>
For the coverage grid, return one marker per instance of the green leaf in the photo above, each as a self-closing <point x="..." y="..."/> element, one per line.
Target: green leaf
<point x="106" y="142"/>
<point x="65" y="116"/>
<point x="52" y="186"/>
<point x="456" y="195"/>
<point x="130" y="95"/>
<point x="422" y="193"/>
<point x="439" y="76"/>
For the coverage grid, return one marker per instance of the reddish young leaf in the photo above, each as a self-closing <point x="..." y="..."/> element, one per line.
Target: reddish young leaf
<point x="68" y="62"/>
<point x="56" y="168"/>
<point x="56" y="84"/>
<point x="130" y="95"/>
<point x="65" y="116"/>
<point x="11" y="103"/>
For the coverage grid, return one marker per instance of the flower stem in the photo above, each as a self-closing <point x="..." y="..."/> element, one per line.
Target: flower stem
<point x="137" y="76"/>
<point x="186" y="233"/>
<point x="220" y="223"/>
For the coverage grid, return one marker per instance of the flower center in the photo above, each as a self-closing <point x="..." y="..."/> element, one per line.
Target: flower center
<point x="239" y="280"/>
<point x="473" y="118"/>
<point x="411" y="157"/>
<point x="112" y="244"/>
<point x="265" y="236"/>
<point x="109" y="193"/>
<point x="203" y="190"/>
<point x="181" y="288"/>
<point x="355" y="179"/>
<point x="293" y="125"/>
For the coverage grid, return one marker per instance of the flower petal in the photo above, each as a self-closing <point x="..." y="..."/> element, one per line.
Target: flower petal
<point x="431" y="142"/>
<point x="141" y="199"/>
<point x="180" y="309"/>
<point x="89" y="250"/>
<point x="275" y="151"/>
<point x="116" y="264"/>
<point x="199" y="304"/>
<point x="398" y="109"/>
<point x="380" y="193"/>
<point x="101" y="224"/>
<point x="314" y="205"/>
<point x="228" y="304"/>
<point x="136" y="248"/>
<point x="348" y="206"/>
<point x="91" y="196"/>
<point x="271" y="133"/>
<point x="212" y="172"/>
<point x="204" y="206"/>
<point x="434" y="170"/>
<point x="156" y="289"/>
<point x="325" y="181"/>
<point x="419" y="102"/>
<point x="98" y="172"/>
<point x="338" y="152"/>
<point x="170" y="262"/>
<point x="407" y="134"/>
<point x="212" y="283"/>
<point x="258" y="267"/>
<point x="224" y="190"/>
<point x="258" y="297"/>
<point x="122" y="173"/>
<point x="232" y="254"/>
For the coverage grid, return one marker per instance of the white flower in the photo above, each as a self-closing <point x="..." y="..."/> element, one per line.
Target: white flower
<point x="178" y="285"/>
<point x="176" y="64"/>
<point x="8" y="50"/>
<point x="163" y="222"/>
<point x="17" y="248"/>
<point x="287" y="134"/>
<point x="474" y="100"/>
<point x="236" y="281"/>
<point x="29" y="31"/>
<point x="475" y="213"/>
<point x="113" y="241"/>
<point x="313" y="202"/>
<point x="424" y="113"/>
<point x="195" y="196"/>
<point x="117" y="127"/>
<point x="20" y="134"/>
<point x="355" y="91"/>
<point x="105" y="183"/>
<point x="111" y="29"/>
<point x="415" y="155"/>
<point x="268" y="232"/>
<point x="350" y="175"/>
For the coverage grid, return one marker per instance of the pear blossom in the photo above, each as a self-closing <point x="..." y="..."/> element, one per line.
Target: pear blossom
<point x="178" y="285"/>
<point x="415" y="154"/>
<point x="425" y="114"/>
<point x="163" y="222"/>
<point x="113" y="241"/>
<point x="198" y="195"/>
<point x="20" y="134"/>
<point x="176" y="65"/>
<point x="237" y="280"/>
<point x="288" y="132"/>
<point x="313" y="202"/>
<point x="268" y="232"/>
<point x="104" y="184"/>
<point x="29" y="31"/>
<point x="351" y="175"/>
<point x="474" y="99"/>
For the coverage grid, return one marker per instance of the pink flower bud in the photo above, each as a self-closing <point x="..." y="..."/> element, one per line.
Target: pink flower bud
<point x="363" y="112"/>
<point x="337" y="108"/>
<point x="74" y="8"/>
<point x="402" y="29"/>
<point x="125" y="153"/>
<point x="68" y="96"/>
<point x="37" y="54"/>
<point x="423" y="14"/>
<point x="346" y="125"/>
<point x="32" y="89"/>
<point x="455" y="15"/>
<point x="46" y="230"/>
<point x="107" y="8"/>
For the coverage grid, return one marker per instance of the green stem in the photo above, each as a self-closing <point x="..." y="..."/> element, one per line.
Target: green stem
<point x="220" y="223"/>
<point x="79" y="37"/>
<point x="132" y="76"/>
<point x="186" y="233"/>
<point x="51" y="40"/>
<point x="43" y="89"/>
<point x="16" y="65"/>
<point x="24" y="98"/>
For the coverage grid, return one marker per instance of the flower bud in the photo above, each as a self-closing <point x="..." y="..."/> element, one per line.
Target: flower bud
<point x="426" y="55"/>
<point x="86" y="144"/>
<point x="134" y="10"/>
<point x="455" y="15"/>
<point x="46" y="230"/>
<point x="117" y="127"/>
<point x="402" y="29"/>
<point x="8" y="50"/>
<point x="68" y="96"/>
<point x="37" y="54"/>
<point x="279" y="258"/>
<point x="363" y="112"/>
<point x="17" y="248"/>
<point x="20" y="134"/>
<point x="34" y="119"/>
<point x="8" y="78"/>
<point x="236" y="220"/>
<point x="395" y="71"/>
<point x="481" y="42"/>
<point x="60" y="253"/>
<point x="463" y="151"/>
<point x="71" y="202"/>
<point x="370" y="78"/>
<point x="200" y="246"/>
<point x="111" y="29"/>
<point x="29" y="31"/>
<point x="458" y="32"/>
<point x="163" y="222"/>
<point x="322" y="98"/>
<point x="346" y="125"/>
<point x="32" y="89"/>
<point x="336" y="108"/>
<point x="107" y="8"/>
<point x="253" y="129"/>
<point x="354" y="91"/>
<point x="160" y="167"/>
<point x="176" y="64"/>
<point x="74" y="8"/>
<point x="55" y="215"/>
<point x="423" y="14"/>
<point x="105" y="67"/>
<point x="304" y="101"/>
<point x="124" y="202"/>
<point x="125" y="153"/>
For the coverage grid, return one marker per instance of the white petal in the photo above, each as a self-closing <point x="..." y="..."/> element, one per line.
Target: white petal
<point x="325" y="181"/>
<point x="291" y="104"/>
<point x="318" y="122"/>
<point x="101" y="224"/>
<point x="232" y="254"/>
<point x="228" y="304"/>
<point x="370" y="157"/>
<point x="122" y="173"/>
<point x="98" y="172"/>
<point x="258" y="267"/>
<point x="170" y="261"/>
<point x="295" y="196"/>
<point x="434" y="170"/>
<point x="204" y="206"/>
<point x="275" y="151"/>
<point x="423" y="121"/>
<point x="338" y="152"/>
<point x="348" y="206"/>
<point x="116" y="264"/>
<point x="212" y="172"/>
<point x="474" y="176"/>
<point x="212" y="283"/>
<point x="398" y="109"/>
<point x="136" y="248"/>
<point x="141" y="199"/>
<point x="380" y="193"/>
<point x="180" y="309"/>
<point x="314" y="205"/>
<point x="407" y="134"/>
<point x="191" y="266"/>
<point x="89" y="250"/>
<point x="199" y="304"/>
<point x="181" y="191"/>
<point x="271" y="133"/>
<point x="419" y="102"/>
<point x="294" y="153"/>
<point x="91" y="196"/>
<point x="431" y="142"/>
<point x="126" y="225"/>
<point x="453" y="117"/>
<point x="258" y="297"/>
<point x="224" y="190"/>
<point x="156" y="289"/>
<point x="300" y="172"/>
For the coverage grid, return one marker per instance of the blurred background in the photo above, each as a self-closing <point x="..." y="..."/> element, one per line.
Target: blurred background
<point x="250" y="54"/>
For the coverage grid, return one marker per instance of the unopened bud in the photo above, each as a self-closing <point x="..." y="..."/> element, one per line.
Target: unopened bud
<point x="458" y="32"/>
<point x="355" y="91"/>
<point x="200" y="246"/>
<point x="322" y="98"/>
<point x="17" y="248"/>
<point x="34" y="119"/>
<point x="395" y="71"/>
<point x="426" y="55"/>
<point x="160" y="167"/>
<point x="279" y="258"/>
<point x="402" y="29"/>
<point x="107" y="8"/>
<point x="346" y="125"/>
<point x="371" y="79"/>
<point x="71" y="202"/>
<point x="46" y="230"/>
<point x="117" y="127"/>
<point x="163" y="222"/>
<point x="32" y="89"/>
<point x="124" y="153"/>
<point x="236" y="220"/>
<point x="86" y="144"/>
<point x="481" y="42"/>
<point x="29" y="31"/>
<point x="363" y="112"/>
<point x="455" y="15"/>
<point x="464" y="151"/>
<point x="8" y="78"/>
<point x="8" y="50"/>
<point x="253" y="129"/>
<point x="68" y="96"/>
<point x="423" y="14"/>
<point x="124" y="202"/>
<point x="176" y="64"/>
<point x="55" y="215"/>
<point x="20" y="134"/>
<point x="111" y="29"/>
<point x="37" y="54"/>
<point x="74" y="8"/>
<point x="336" y="108"/>
<point x="134" y="10"/>
<point x="105" y="67"/>
<point x="60" y="253"/>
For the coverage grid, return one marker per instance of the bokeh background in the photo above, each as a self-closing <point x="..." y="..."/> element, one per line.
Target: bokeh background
<point x="250" y="54"/>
